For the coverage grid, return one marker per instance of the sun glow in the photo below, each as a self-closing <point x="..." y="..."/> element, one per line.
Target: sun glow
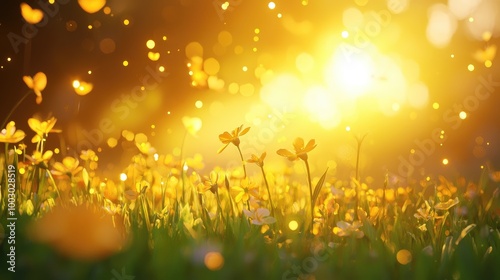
<point x="350" y="73"/>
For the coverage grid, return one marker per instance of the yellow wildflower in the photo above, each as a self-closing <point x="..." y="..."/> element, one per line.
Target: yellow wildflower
<point x="69" y="166"/>
<point x="38" y="157"/>
<point x="10" y="135"/>
<point x="258" y="160"/>
<point x="300" y="150"/>
<point x="37" y="83"/>
<point x="233" y="137"/>
<point x="446" y="205"/>
<point x="42" y="128"/>
<point x="259" y="216"/>
<point x="244" y="191"/>
<point x="347" y="229"/>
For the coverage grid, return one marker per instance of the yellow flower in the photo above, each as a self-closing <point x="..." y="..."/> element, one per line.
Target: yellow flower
<point x="37" y="84"/>
<point x="347" y="229"/>
<point x="211" y="183"/>
<point x="233" y="137"/>
<point x="259" y="216"/>
<point x="446" y="205"/>
<point x="38" y="158"/>
<point x="10" y="135"/>
<point x="42" y="128"/>
<point x="195" y="162"/>
<point x="244" y="190"/>
<point x="69" y="166"/>
<point x="300" y="150"/>
<point x="257" y="160"/>
<point x="425" y="212"/>
<point x="192" y="125"/>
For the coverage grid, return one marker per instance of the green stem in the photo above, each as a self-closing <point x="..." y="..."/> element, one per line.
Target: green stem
<point x="15" y="107"/>
<point x="242" y="162"/>
<point x="310" y="192"/>
<point x="268" y="191"/>
<point x="182" y="166"/>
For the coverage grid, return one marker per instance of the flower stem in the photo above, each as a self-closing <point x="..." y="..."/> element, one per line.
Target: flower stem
<point x="268" y="191"/>
<point x="182" y="166"/>
<point x="242" y="162"/>
<point x="310" y="192"/>
<point x="15" y="107"/>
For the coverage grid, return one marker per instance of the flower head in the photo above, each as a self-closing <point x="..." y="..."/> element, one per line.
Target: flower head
<point x="10" y="135"/>
<point x="233" y="137"/>
<point x="446" y="205"/>
<point x="37" y="83"/>
<point x="244" y="191"/>
<point x="38" y="157"/>
<point x="257" y="160"/>
<point x="347" y="229"/>
<point x="300" y="150"/>
<point x="69" y="166"/>
<point x="42" y="128"/>
<point x="259" y="216"/>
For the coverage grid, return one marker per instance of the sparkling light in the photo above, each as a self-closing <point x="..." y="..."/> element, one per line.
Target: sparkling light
<point x="462" y="115"/>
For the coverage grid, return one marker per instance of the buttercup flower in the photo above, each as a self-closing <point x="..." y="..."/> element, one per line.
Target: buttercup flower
<point x="300" y="150"/>
<point x="259" y="216"/>
<point x="244" y="191"/>
<point x="446" y="205"/>
<point x="38" y="158"/>
<point x="69" y="166"/>
<point x="347" y="229"/>
<point x="10" y="135"/>
<point x="257" y="160"/>
<point x="42" y="128"/>
<point x="37" y="83"/>
<point x="233" y="137"/>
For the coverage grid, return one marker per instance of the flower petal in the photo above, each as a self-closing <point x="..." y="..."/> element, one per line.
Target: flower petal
<point x="298" y="144"/>
<point x="286" y="153"/>
<point x="244" y="131"/>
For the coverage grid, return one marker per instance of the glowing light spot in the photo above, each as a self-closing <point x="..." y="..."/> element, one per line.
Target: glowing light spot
<point x="22" y="170"/>
<point x="462" y="115"/>
<point x="126" y="22"/>
<point x="279" y="15"/>
<point x="404" y="256"/>
<point x="233" y="88"/>
<point x="345" y="34"/>
<point x="441" y="26"/>
<point x="347" y="128"/>
<point x="349" y="74"/>
<point x="256" y="30"/>
<point x="128" y="135"/>
<point x="198" y="104"/>
<point x="156" y="156"/>
<point x="470" y="67"/>
<point x="123" y="177"/>
<point x="255" y="38"/>
<point x="164" y="38"/>
<point x="112" y="142"/>
<point x="488" y="63"/>
<point x="154" y="56"/>
<point x="471" y="19"/>
<point x="89" y="72"/>
<point x="125" y="63"/>
<point x="89" y="26"/>
<point x="452" y="56"/>
<point x="106" y="10"/>
<point x="76" y="83"/>
<point x="247" y="89"/>
<point x="91" y="6"/>
<point x="445" y="161"/>
<point x="435" y="105"/>
<point x="57" y="151"/>
<point x="244" y="68"/>
<point x="304" y="62"/>
<point x="150" y="44"/>
<point x="211" y="66"/>
<point x="214" y="260"/>
<point x="293" y="225"/>
<point x="412" y="151"/>
<point x="225" y="5"/>
<point x="161" y="69"/>
<point x="271" y="5"/>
